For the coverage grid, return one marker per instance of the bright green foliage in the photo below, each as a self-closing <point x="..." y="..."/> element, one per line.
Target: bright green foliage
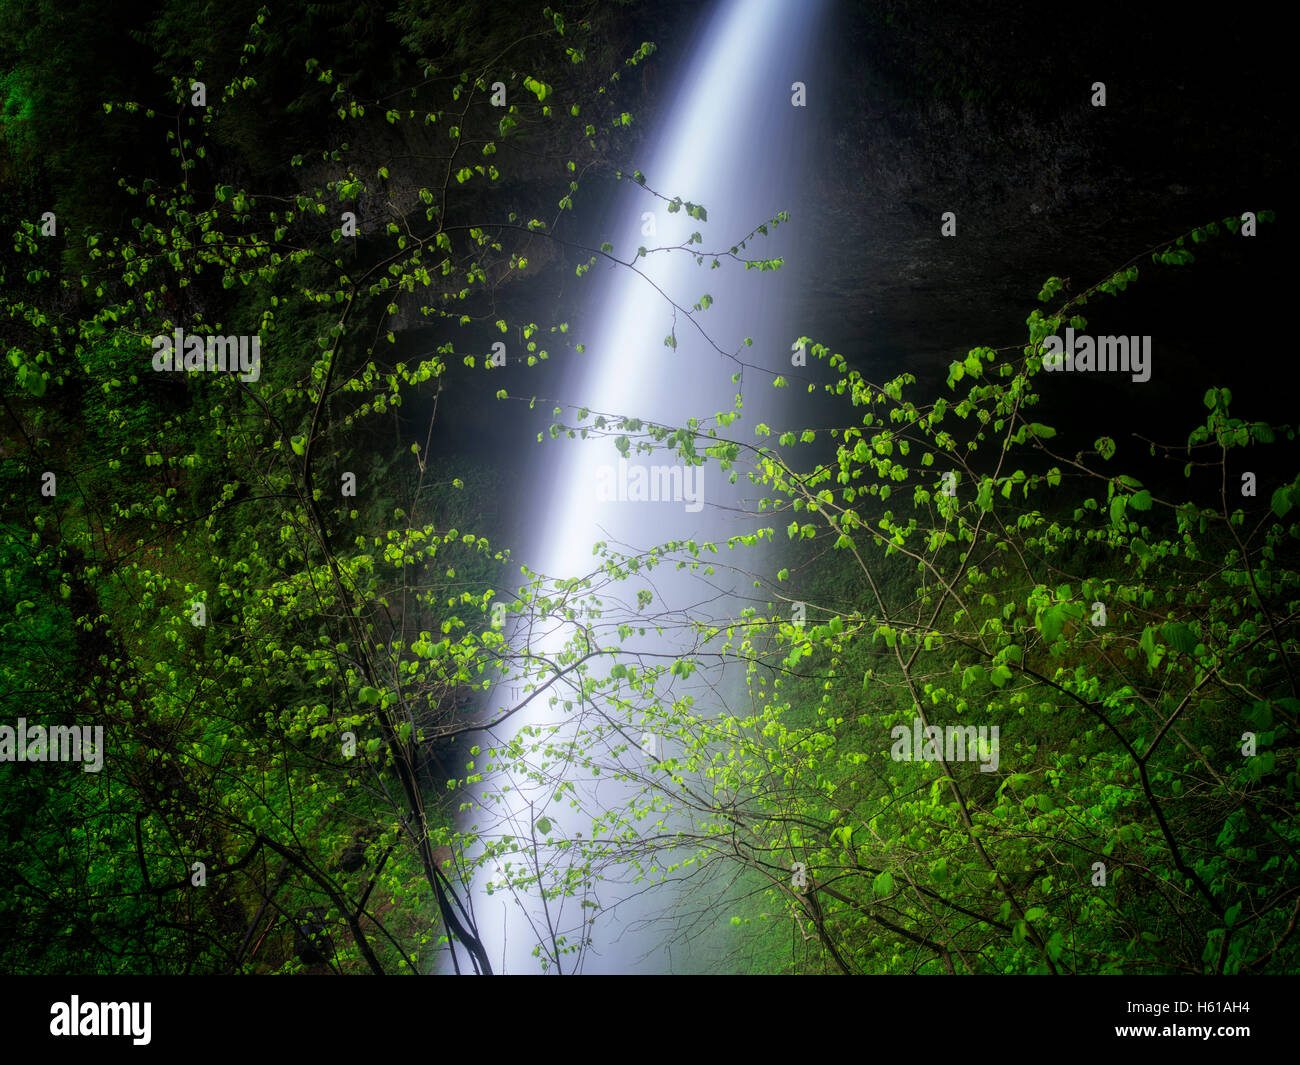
<point x="284" y="743"/>
<point x="274" y="656"/>
<point x="1123" y="642"/>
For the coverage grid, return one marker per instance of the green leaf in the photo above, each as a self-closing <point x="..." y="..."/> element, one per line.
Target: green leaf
<point x="1055" y="945"/>
<point x="1179" y="636"/>
<point x="1050" y="623"/>
<point x="883" y="885"/>
<point x="299" y="445"/>
<point x="544" y="826"/>
<point x="1148" y="641"/>
<point x="1261" y="716"/>
<point x="1141" y="500"/>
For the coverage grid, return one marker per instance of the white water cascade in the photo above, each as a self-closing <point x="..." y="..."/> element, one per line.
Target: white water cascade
<point x="733" y="141"/>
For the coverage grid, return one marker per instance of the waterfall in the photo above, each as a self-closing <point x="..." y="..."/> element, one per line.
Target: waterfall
<point x="733" y="141"/>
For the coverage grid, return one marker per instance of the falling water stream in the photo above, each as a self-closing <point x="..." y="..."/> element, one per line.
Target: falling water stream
<point x="732" y="140"/>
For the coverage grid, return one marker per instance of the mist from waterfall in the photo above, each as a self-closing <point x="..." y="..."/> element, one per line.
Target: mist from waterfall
<point x="731" y="140"/>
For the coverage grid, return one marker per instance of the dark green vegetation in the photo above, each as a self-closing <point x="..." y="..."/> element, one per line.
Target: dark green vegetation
<point x="281" y="736"/>
<point x="1135" y="649"/>
<point x="285" y="743"/>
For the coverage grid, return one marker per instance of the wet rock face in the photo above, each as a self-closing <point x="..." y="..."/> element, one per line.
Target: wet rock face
<point x="986" y="110"/>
